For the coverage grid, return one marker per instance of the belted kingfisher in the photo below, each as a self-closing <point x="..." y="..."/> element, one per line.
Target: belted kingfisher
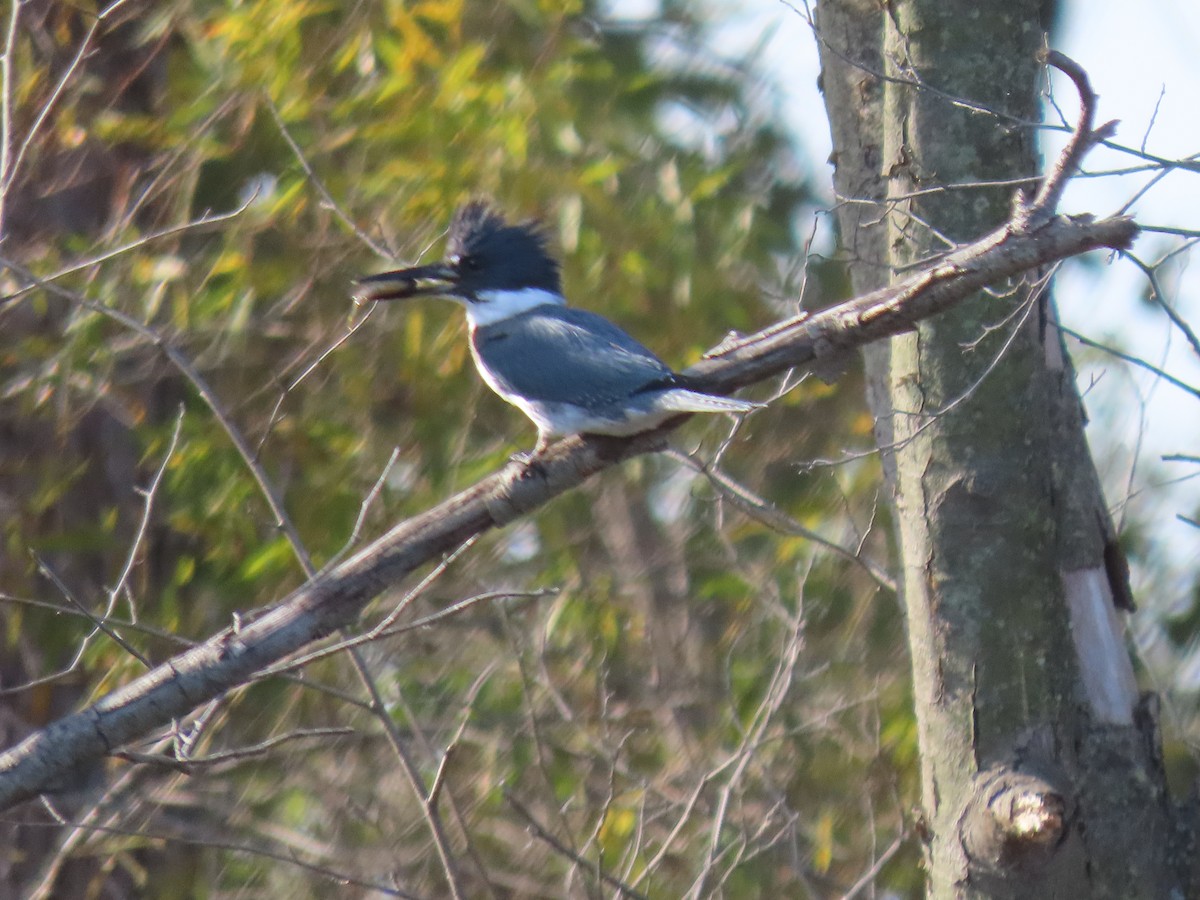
<point x="571" y="371"/>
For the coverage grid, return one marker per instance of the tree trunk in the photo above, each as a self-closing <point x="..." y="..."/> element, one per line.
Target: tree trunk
<point x="1041" y="766"/>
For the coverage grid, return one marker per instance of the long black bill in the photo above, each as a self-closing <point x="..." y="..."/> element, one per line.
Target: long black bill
<point x="402" y="283"/>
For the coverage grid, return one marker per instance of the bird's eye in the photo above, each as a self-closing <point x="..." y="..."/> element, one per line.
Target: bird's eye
<point x="470" y="263"/>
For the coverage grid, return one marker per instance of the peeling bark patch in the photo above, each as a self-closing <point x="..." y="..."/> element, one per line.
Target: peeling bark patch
<point x="1098" y="634"/>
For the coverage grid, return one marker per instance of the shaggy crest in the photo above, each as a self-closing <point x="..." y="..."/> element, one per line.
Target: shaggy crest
<point x="478" y="230"/>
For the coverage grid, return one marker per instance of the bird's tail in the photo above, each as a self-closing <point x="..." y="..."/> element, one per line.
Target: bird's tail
<point x="684" y="401"/>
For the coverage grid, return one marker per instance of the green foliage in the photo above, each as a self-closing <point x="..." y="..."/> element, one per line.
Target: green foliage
<point x="657" y="672"/>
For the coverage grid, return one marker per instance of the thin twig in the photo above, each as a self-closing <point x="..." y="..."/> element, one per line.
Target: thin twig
<point x="379" y="629"/>
<point x="190" y="764"/>
<point x="1156" y="293"/>
<point x="559" y="847"/>
<point x="99" y="622"/>
<point x="777" y="690"/>
<point x="56" y="94"/>
<point x="338" y="877"/>
<point x="1129" y="358"/>
<point x="364" y="508"/>
<point x="1170" y="229"/>
<point x="463" y="605"/>
<point x="148" y="495"/>
<point x="912" y="80"/>
<point x="320" y="185"/>
<point x="44" y="281"/>
<point x="351" y="328"/>
<point x="868" y="877"/>
<point x="412" y="773"/>
<point x="762" y="510"/>
<point x="103" y="622"/>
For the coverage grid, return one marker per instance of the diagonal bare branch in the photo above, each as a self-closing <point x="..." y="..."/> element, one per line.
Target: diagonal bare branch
<point x="333" y="599"/>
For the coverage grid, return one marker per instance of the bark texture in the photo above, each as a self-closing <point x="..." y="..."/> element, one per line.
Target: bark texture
<point x="1041" y="769"/>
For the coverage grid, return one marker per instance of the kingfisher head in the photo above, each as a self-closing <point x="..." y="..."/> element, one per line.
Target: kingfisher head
<point x="496" y="269"/>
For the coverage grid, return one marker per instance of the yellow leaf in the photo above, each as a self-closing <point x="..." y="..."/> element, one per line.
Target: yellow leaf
<point x="822" y="840"/>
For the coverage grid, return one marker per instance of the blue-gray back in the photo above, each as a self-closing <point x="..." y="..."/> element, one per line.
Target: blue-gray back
<point x="560" y="354"/>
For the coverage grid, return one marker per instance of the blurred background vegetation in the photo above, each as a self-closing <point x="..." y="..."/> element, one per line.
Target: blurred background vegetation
<point x="676" y="697"/>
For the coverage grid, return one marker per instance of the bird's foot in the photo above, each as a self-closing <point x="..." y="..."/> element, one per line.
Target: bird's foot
<point x="530" y="460"/>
